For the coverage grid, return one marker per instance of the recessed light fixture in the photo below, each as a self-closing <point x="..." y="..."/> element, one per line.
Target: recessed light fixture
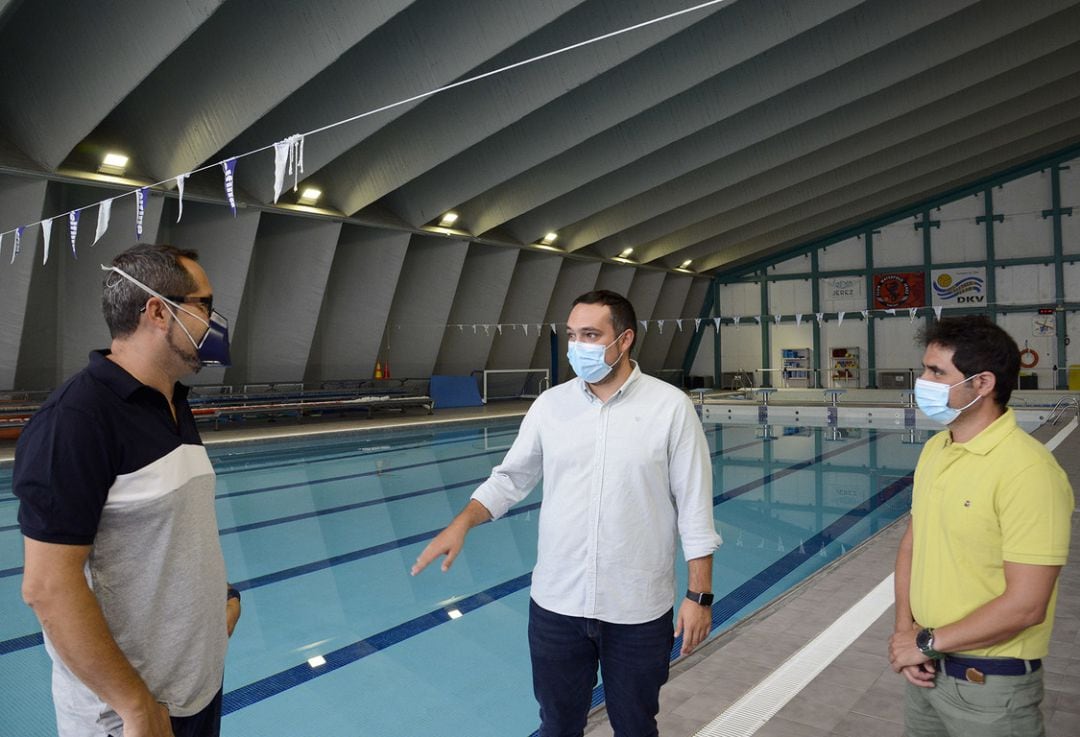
<point x="113" y="163"/>
<point x="626" y="253"/>
<point x="686" y="264"/>
<point x="310" y="196"/>
<point x="550" y="238"/>
<point x="317" y="661"/>
<point x="448" y="219"/>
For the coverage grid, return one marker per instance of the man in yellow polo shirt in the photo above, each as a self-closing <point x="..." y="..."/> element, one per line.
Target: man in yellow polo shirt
<point x="976" y="574"/>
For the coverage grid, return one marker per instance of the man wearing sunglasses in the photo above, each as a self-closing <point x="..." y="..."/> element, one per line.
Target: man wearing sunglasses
<point x="123" y="563"/>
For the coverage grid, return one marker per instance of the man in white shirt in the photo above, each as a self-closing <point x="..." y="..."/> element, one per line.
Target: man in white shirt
<point x="626" y="468"/>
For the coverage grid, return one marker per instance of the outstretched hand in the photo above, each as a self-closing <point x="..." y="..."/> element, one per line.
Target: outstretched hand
<point x="448" y="542"/>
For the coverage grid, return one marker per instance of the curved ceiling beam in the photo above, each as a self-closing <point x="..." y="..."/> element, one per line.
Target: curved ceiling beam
<point x="175" y="133"/>
<point x="77" y="60"/>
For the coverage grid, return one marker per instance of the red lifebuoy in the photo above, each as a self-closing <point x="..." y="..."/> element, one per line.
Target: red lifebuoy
<point x="1029" y="358"/>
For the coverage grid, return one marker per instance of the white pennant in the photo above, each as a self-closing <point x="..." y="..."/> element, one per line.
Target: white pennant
<point x="140" y="211"/>
<point x="553" y="329"/>
<point x="678" y="324"/>
<point x="798" y="319"/>
<point x="103" y="213"/>
<point x="474" y="329"/>
<point x="2" y="242"/>
<point x="46" y="231"/>
<point x="840" y="318"/>
<point x="18" y="239"/>
<point x="644" y="326"/>
<point x="758" y="318"/>
<point x="937" y="311"/>
<point x="288" y="155"/>
<point x="499" y="328"/>
<point x="736" y="319"/>
<point x="461" y="328"/>
<point x="865" y="314"/>
<point x="820" y="316"/>
<point x="912" y="312"/>
<point x="487" y="330"/>
<point x="697" y="324"/>
<point x="890" y="311"/>
<point x="228" y="168"/>
<point x="526" y="328"/>
<point x="660" y="326"/>
<point x="776" y="319"/>
<point x="180" y="191"/>
<point x="716" y="323"/>
<point x="539" y="328"/>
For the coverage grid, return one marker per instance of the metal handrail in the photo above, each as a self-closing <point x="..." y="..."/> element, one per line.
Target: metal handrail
<point x="1064" y="405"/>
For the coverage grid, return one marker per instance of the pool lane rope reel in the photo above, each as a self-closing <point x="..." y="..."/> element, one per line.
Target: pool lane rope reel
<point x="1029" y="357"/>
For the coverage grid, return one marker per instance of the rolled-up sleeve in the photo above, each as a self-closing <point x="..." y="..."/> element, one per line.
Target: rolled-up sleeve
<point x="690" y="473"/>
<point x="520" y="470"/>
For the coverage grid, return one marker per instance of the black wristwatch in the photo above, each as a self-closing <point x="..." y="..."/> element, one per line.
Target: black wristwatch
<point x="705" y="599"/>
<point x="232" y="593"/>
<point x="924" y="640"/>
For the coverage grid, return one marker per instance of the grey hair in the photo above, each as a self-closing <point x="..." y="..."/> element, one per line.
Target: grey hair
<point x="156" y="266"/>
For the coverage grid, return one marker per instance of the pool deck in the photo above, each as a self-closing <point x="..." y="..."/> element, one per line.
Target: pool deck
<point x="856" y="695"/>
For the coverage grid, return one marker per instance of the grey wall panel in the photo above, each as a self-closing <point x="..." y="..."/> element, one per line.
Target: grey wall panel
<point x="106" y="49"/>
<point x="425" y="294"/>
<point x="680" y="341"/>
<point x="644" y="292"/>
<point x="285" y="285"/>
<point x="526" y="302"/>
<point x="481" y="294"/>
<point x="80" y="324"/>
<point x="225" y="245"/>
<point x="575" y="278"/>
<point x="367" y="266"/>
<point x="616" y="278"/>
<point x="21" y="202"/>
<point x="670" y="304"/>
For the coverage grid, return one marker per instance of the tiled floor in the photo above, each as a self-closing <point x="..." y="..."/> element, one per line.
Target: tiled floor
<point x="857" y="695"/>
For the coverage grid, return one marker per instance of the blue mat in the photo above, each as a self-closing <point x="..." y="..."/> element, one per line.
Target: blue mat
<point x="454" y="391"/>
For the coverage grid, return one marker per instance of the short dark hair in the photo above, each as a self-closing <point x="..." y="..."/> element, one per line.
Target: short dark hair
<point x="156" y="266"/>
<point x="623" y="317"/>
<point x="978" y="345"/>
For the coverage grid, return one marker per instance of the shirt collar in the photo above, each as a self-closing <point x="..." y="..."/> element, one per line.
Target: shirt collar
<point x="991" y="435"/>
<point x="123" y="384"/>
<point x="627" y="385"/>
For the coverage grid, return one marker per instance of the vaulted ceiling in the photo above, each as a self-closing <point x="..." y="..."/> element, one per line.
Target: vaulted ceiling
<point x="718" y="136"/>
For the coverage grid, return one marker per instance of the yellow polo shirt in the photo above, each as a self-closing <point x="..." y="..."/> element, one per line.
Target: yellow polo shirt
<point x="999" y="497"/>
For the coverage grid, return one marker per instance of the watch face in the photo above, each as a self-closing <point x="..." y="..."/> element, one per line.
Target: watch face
<point x="924" y="639"/>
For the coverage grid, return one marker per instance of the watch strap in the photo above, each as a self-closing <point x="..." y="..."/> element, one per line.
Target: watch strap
<point x="698" y="597"/>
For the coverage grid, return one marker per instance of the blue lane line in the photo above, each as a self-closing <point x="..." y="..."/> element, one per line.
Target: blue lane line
<point x="394" y="544"/>
<point x="21" y="643"/>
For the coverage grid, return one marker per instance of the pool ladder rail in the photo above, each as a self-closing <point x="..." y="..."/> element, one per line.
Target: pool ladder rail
<point x="1064" y="405"/>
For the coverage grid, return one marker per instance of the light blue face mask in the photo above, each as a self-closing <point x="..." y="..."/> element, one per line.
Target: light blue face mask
<point x="933" y="400"/>
<point x="587" y="359"/>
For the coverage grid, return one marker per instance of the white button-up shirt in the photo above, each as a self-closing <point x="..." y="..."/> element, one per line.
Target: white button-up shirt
<point x="621" y="478"/>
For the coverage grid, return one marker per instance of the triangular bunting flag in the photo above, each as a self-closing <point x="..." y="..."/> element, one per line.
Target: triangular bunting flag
<point x="890" y="311"/>
<point x="798" y="319"/>
<point x="526" y="327"/>
<point x="499" y="328"/>
<point x="46" y="232"/>
<point x="736" y="319"/>
<point x="18" y="239"/>
<point x="937" y="311"/>
<point x="777" y="318"/>
<point x="103" y="213"/>
<point x="644" y="326"/>
<point x="2" y="243"/>
<point x="678" y="324"/>
<point x="229" y="168"/>
<point x="140" y="211"/>
<point x="840" y="318"/>
<point x="820" y="317"/>
<point x="716" y="323"/>
<point x="487" y="330"/>
<point x="660" y="326"/>
<point x="912" y="311"/>
<point x="73" y="229"/>
<point x="865" y="314"/>
<point x="180" y="192"/>
<point x="554" y="329"/>
<point x="697" y="324"/>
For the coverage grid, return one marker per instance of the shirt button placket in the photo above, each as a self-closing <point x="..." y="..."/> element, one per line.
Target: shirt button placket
<point x="595" y="497"/>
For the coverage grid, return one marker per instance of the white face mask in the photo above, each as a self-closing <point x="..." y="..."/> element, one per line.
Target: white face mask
<point x="933" y="400"/>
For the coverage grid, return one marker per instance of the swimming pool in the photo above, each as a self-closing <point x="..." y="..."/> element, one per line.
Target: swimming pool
<point x="337" y="638"/>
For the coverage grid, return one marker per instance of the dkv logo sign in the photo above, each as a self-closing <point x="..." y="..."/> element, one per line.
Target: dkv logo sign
<point x="960" y="286"/>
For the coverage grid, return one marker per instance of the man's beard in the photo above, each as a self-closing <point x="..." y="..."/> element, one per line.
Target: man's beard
<point x="191" y="360"/>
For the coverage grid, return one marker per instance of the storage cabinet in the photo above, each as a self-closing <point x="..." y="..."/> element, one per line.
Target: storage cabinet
<point x="797" y="368"/>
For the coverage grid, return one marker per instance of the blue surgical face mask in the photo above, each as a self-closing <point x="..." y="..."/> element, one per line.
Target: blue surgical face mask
<point x="587" y="359"/>
<point x="213" y="348"/>
<point x="933" y="400"/>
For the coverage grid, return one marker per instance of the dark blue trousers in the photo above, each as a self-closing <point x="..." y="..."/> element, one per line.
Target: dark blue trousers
<point x="633" y="660"/>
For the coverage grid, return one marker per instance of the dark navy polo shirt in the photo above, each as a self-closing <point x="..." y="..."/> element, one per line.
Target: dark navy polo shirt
<point x="101" y="424"/>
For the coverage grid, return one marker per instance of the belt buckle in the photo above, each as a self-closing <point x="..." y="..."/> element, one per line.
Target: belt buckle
<point x="974" y="675"/>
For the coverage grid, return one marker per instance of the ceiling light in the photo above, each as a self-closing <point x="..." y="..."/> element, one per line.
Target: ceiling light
<point x="626" y="253"/>
<point x="310" y="196"/>
<point x="686" y="264"/>
<point x="448" y="219"/>
<point x="113" y="163"/>
<point x="550" y="238"/>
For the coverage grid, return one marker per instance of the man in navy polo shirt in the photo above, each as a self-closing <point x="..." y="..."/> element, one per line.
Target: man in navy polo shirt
<point x="123" y="563"/>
